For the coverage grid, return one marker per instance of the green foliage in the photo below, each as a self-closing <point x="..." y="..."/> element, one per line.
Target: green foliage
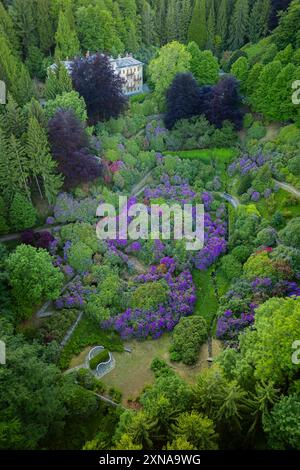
<point x="231" y="267"/>
<point x="102" y="356"/>
<point x="58" y="82"/>
<point x="259" y="265"/>
<point x="33" y="277"/>
<point x="239" y="24"/>
<point x="67" y="44"/>
<point x="198" y="26"/>
<point x="22" y="214"/>
<point x="197" y="430"/>
<point x="282" y="424"/>
<point x="203" y="65"/>
<point x="187" y="338"/>
<point x="148" y="296"/>
<point x="290" y="235"/>
<point x="268" y="348"/>
<point x="80" y="256"/>
<point x="67" y="100"/>
<point x="172" y="59"/>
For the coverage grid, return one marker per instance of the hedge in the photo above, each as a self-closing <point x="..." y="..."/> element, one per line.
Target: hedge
<point x="102" y="356"/>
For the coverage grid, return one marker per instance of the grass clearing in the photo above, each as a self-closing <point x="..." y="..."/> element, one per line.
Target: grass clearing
<point x="132" y="372"/>
<point x="207" y="302"/>
<point x="224" y="155"/>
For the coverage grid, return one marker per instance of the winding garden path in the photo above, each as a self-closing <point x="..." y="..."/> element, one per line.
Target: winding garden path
<point x="231" y="199"/>
<point x="289" y="188"/>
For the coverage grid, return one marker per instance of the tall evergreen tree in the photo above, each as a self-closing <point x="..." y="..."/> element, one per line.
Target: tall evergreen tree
<point x="147" y="24"/>
<point x="211" y="27"/>
<point x="13" y="119"/>
<point x="258" y="20"/>
<point x="198" y="27"/>
<point x="239" y="24"/>
<point x="23" y="14"/>
<point x="171" y="21"/>
<point x="7" y="28"/>
<point x="184" y="20"/>
<point x="222" y="22"/>
<point x="45" y="25"/>
<point x="67" y="44"/>
<point x="41" y="164"/>
<point x="160" y="21"/>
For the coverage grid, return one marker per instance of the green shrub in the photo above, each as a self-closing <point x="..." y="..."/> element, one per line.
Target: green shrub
<point x="80" y="256"/>
<point x="102" y="356"/>
<point x="149" y="295"/>
<point x="257" y="131"/>
<point x="187" y="338"/>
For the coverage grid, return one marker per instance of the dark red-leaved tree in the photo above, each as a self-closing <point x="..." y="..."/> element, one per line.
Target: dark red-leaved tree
<point x="225" y="103"/>
<point x="95" y="80"/>
<point x="69" y="146"/>
<point x="185" y="99"/>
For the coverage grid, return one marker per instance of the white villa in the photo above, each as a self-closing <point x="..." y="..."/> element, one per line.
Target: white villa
<point x="129" y="68"/>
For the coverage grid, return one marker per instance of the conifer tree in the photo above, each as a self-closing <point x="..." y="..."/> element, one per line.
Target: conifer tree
<point x="198" y="27"/>
<point x="4" y="228"/>
<point x="185" y="18"/>
<point x="67" y="44"/>
<point x="13" y="119"/>
<point x="23" y="14"/>
<point x="222" y="22"/>
<point x="41" y="163"/>
<point x="22" y="214"/>
<point x="7" y="28"/>
<point x="13" y="167"/>
<point x="45" y="25"/>
<point x="258" y="20"/>
<point x="239" y="24"/>
<point x="34" y="109"/>
<point x="171" y="21"/>
<point x="58" y="82"/>
<point x="160" y="21"/>
<point x="211" y="27"/>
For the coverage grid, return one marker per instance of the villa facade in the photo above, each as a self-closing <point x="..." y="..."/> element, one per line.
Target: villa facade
<point x="127" y="67"/>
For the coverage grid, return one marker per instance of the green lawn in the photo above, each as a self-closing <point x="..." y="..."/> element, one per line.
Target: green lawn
<point x="207" y="302"/>
<point x="220" y="154"/>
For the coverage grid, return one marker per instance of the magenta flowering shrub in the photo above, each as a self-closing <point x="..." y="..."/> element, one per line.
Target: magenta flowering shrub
<point x="140" y="324"/>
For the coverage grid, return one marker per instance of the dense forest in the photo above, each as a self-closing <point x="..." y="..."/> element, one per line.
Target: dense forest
<point x="130" y="345"/>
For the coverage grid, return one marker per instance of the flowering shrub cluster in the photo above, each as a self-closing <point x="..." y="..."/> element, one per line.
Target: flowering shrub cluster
<point x="243" y="301"/>
<point x="73" y="297"/>
<point x="68" y="209"/>
<point x="248" y="163"/>
<point x="141" y="324"/>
